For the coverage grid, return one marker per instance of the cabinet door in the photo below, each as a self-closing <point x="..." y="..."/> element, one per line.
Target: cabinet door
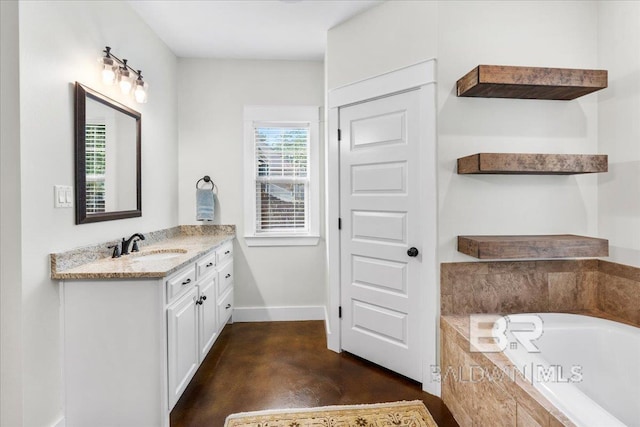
<point x="208" y="318"/>
<point x="182" y="318"/>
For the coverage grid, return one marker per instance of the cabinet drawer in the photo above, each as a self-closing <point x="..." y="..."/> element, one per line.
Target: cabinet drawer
<point x="206" y="265"/>
<point x="225" y="278"/>
<point x="180" y="282"/>
<point x="225" y="308"/>
<point x="225" y="253"/>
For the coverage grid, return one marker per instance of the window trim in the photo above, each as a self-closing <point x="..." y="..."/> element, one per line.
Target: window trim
<point x="285" y="115"/>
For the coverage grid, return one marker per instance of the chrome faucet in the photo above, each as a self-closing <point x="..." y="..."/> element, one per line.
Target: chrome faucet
<point x="127" y="242"/>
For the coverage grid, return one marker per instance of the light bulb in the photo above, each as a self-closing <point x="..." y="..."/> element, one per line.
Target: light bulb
<point x="125" y="86"/>
<point x="124" y="80"/>
<point x="140" y="92"/>
<point x="108" y="70"/>
<point x="108" y="76"/>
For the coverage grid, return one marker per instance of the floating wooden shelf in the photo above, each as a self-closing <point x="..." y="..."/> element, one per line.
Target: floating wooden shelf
<point x="501" y="81"/>
<point x="532" y="164"/>
<point x="545" y="246"/>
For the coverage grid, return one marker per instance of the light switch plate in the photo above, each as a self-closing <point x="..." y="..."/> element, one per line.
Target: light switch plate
<point x="62" y="196"/>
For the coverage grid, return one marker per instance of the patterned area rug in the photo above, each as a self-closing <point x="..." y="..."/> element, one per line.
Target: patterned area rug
<point x="406" y="414"/>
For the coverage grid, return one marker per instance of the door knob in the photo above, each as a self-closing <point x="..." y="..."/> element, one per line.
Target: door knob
<point x="413" y="252"/>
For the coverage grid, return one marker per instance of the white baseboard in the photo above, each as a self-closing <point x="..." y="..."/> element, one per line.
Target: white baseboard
<point x="59" y="423"/>
<point x="278" y="314"/>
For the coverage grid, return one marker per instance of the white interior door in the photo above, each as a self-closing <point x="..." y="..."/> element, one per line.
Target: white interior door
<point x="379" y="210"/>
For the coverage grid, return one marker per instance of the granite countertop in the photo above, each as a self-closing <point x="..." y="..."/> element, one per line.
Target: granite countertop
<point x="94" y="262"/>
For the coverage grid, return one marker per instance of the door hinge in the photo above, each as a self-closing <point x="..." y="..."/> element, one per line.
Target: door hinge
<point x="340" y="312"/>
<point x="339" y="223"/>
<point x="339" y="135"/>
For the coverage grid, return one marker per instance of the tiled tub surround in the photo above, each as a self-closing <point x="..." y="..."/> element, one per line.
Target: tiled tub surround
<point x="481" y="389"/>
<point x="596" y="287"/>
<point x="95" y="262"/>
<point x="618" y="292"/>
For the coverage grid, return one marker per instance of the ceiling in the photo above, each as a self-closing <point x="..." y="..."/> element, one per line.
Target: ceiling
<point x="247" y="29"/>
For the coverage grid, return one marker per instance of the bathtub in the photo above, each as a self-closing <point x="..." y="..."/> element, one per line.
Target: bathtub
<point x="589" y="368"/>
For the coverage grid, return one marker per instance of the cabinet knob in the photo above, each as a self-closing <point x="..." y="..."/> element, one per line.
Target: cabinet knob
<point x="204" y="297"/>
<point x="209" y="265"/>
<point x="186" y="282"/>
<point x="228" y="307"/>
<point x="227" y="276"/>
<point x="226" y="252"/>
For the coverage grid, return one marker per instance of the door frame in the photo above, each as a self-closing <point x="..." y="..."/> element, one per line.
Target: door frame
<point x="420" y="76"/>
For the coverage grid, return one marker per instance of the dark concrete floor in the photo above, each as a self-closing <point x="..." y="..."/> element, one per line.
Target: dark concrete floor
<point x="257" y="366"/>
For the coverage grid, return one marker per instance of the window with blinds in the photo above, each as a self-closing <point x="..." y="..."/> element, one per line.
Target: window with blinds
<point x="281" y="177"/>
<point x="95" y="164"/>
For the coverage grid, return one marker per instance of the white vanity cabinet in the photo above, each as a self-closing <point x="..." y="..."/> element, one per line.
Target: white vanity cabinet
<point x="131" y="346"/>
<point x="193" y="319"/>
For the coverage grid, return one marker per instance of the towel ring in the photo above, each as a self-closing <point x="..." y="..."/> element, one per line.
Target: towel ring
<point x="206" y="179"/>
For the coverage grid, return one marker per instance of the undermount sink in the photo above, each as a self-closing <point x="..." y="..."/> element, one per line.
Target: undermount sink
<point x="159" y="255"/>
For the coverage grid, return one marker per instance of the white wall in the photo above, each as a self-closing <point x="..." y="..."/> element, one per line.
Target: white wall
<point x="558" y="34"/>
<point x="59" y="44"/>
<point x="10" y="223"/>
<point x="212" y="94"/>
<point x="389" y="36"/>
<point x="555" y="34"/>
<point x="619" y="129"/>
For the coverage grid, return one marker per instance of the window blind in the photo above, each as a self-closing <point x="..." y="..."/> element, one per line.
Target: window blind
<point x="95" y="167"/>
<point x="282" y="179"/>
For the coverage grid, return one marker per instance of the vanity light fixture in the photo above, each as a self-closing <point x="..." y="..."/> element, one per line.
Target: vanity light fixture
<point x="117" y="70"/>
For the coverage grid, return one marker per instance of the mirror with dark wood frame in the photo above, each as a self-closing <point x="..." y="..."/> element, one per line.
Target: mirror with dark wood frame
<point x="108" y="142"/>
